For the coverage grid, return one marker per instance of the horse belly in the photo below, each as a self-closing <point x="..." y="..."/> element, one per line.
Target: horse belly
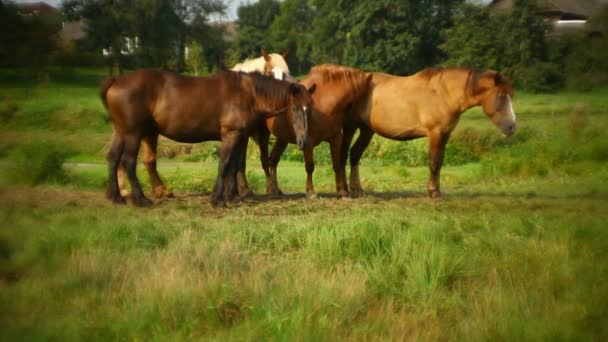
<point x="189" y="127"/>
<point x="395" y="121"/>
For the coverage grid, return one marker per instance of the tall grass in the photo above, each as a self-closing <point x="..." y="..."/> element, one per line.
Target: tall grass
<point x="516" y="250"/>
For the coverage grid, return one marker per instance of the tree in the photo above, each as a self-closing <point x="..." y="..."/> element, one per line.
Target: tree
<point x="189" y="11"/>
<point x="109" y="24"/>
<point x="399" y="37"/>
<point x="513" y="43"/>
<point x="26" y="41"/>
<point x="291" y="30"/>
<point x="254" y="22"/>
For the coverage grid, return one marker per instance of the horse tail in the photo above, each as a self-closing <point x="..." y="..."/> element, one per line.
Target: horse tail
<point x="103" y="89"/>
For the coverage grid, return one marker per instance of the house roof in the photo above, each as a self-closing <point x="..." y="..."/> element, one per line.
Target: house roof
<point x="566" y="9"/>
<point x="38" y="8"/>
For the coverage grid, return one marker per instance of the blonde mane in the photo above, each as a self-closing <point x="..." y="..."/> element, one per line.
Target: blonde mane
<point x="257" y="64"/>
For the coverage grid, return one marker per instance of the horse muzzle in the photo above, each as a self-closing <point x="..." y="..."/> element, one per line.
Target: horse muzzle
<point x="301" y="142"/>
<point x="508" y="129"/>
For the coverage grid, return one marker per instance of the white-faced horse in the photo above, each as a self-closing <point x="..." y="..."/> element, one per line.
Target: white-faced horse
<point x="426" y="104"/>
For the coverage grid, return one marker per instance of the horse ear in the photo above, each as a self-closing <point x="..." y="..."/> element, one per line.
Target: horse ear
<point x="499" y="79"/>
<point x="266" y="56"/>
<point x="294" y="88"/>
<point x="286" y="54"/>
<point x="312" y="88"/>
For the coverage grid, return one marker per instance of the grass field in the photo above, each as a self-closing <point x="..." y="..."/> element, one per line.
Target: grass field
<point x="517" y="249"/>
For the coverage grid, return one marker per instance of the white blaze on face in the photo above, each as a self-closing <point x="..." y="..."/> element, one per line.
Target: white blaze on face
<point x="511" y="108"/>
<point x="277" y="73"/>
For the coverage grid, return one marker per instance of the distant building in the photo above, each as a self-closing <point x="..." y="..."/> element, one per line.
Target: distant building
<point x="38" y="8"/>
<point x="566" y="16"/>
<point x="69" y="31"/>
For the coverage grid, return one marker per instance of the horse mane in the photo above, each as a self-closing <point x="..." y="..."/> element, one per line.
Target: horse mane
<point x="474" y="76"/>
<point x="275" y="91"/>
<point x="354" y="78"/>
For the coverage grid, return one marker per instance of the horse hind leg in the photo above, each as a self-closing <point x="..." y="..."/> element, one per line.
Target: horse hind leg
<point x="129" y="159"/>
<point x="159" y="190"/>
<point x="336" y="148"/>
<point x="114" y="156"/>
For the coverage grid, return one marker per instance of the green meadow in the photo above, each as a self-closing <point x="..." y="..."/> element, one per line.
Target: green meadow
<point x="516" y="250"/>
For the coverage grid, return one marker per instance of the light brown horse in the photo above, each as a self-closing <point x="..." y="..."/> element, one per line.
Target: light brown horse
<point x="337" y="88"/>
<point x="225" y="106"/>
<point x="427" y="104"/>
<point x="267" y="64"/>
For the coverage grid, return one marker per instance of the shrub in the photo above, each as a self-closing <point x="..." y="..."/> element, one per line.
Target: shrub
<point x="34" y="164"/>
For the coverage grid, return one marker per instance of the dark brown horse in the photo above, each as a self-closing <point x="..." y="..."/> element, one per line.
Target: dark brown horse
<point x="337" y="88"/>
<point x="225" y="106"/>
<point x="427" y="104"/>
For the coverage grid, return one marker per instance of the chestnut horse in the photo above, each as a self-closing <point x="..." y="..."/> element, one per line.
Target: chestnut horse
<point x="427" y="104"/>
<point x="337" y="88"/>
<point x="267" y="64"/>
<point x="225" y="106"/>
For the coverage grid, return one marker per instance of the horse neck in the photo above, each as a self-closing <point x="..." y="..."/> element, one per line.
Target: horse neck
<point x="460" y="91"/>
<point x="270" y="104"/>
<point x="256" y="64"/>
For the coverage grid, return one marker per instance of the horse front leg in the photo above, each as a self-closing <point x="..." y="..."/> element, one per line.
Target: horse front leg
<point x="262" y="139"/>
<point x="437" y="142"/>
<point x="241" y="179"/>
<point x="310" y="168"/>
<point x="233" y="189"/>
<point x="338" y="166"/>
<point x="365" y="137"/>
<point x="272" y="185"/>
<point x="229" y="142"/>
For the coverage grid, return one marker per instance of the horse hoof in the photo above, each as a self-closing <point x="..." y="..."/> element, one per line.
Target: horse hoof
<point x="435" y="195"/>
<point x="142" y="202"/>
<point x="276" y="192"/>
<point x="217" y="203"/>
<point x="245" y="193"/>
<point x="311" y="196"/>
<point x="235" y="202"/>
<point x="118" y="199"/>
<point x="357" y="193"/>
<point x="343" y="195"/>
<point x="115" y="197"/>
<point x="162" y="192"/>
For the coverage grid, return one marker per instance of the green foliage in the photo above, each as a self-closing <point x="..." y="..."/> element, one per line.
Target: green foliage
<point x="394" y="37"/>
<point x="36" y="163"/>
<point x="513" y="43"/>
<point x="196" y="59"/>
<point x="26" y="40"/>
<point x="292" y="30"/>
<point x="255" y="20"/>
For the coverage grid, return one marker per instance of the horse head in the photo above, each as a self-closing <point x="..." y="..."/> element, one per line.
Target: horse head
<point x="496" y="93"/>
<point x="275" y="65"/>
<point x="299" y="109"/>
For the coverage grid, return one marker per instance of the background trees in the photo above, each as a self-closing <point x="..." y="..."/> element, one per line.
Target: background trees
<point x="398" y="37"/>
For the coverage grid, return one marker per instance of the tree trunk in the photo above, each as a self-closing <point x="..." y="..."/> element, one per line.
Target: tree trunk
<point x="181" y="52"/>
